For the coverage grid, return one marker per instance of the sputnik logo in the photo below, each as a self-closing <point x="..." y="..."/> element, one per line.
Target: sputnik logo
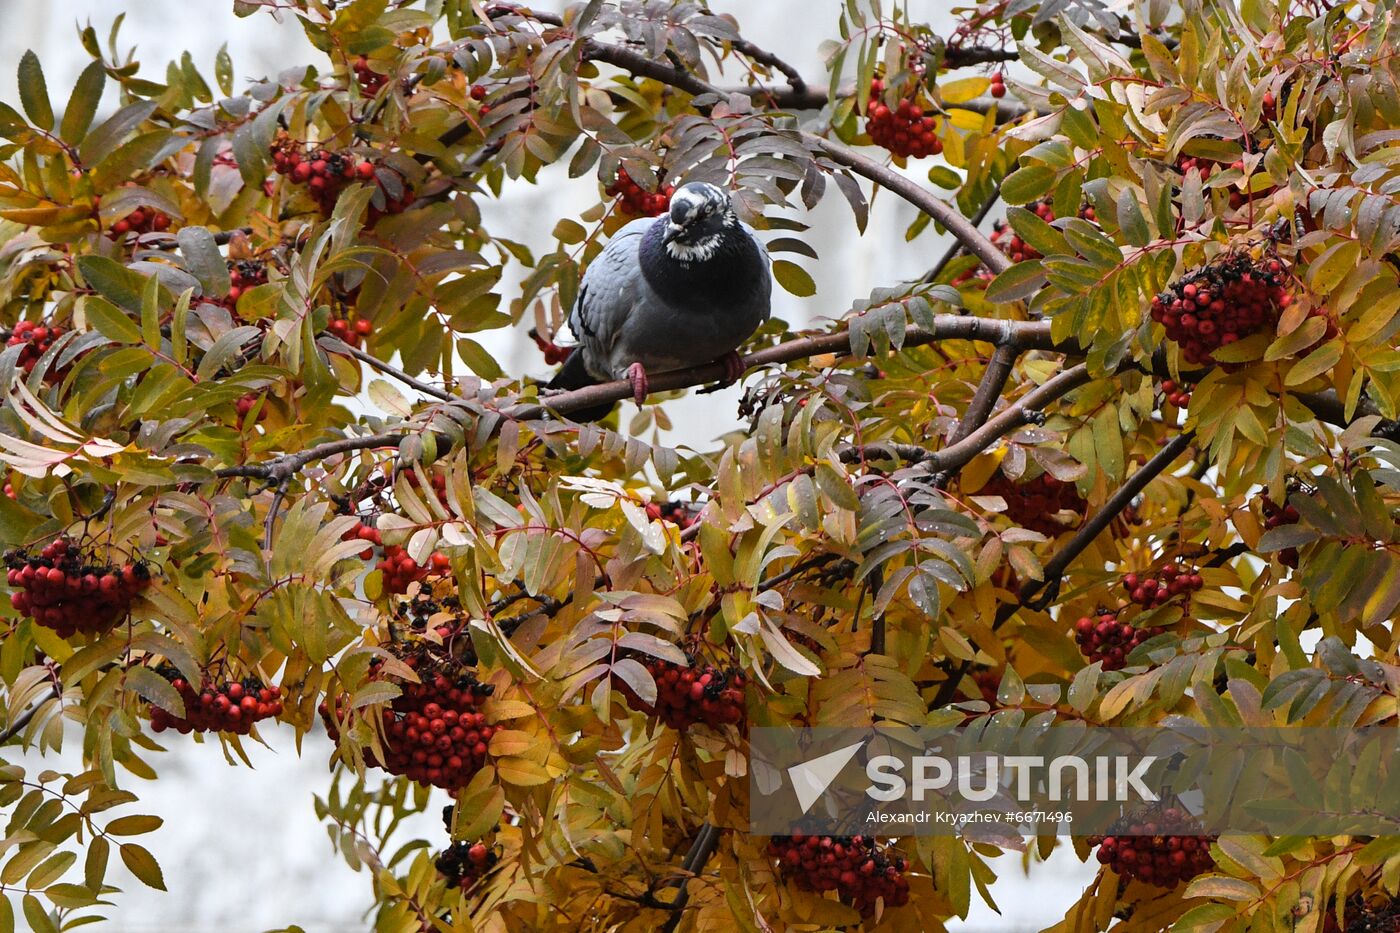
<point x="810" y="779"/>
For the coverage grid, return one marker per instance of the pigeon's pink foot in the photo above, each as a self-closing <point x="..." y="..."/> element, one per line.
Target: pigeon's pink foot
<point x="637" y="376"/>
<point x="733" y="367"/>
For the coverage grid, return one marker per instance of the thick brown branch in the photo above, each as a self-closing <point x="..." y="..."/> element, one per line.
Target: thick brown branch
<point x="1029" y="334"/>
<point x="988" y="390"/>
<point x="700" y="851"/>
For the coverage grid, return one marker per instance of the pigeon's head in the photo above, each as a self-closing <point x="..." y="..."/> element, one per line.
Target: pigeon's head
<point x="700" y="214"/>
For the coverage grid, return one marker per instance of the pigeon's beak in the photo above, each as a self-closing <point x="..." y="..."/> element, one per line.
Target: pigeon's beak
<point x="673" y="230"/>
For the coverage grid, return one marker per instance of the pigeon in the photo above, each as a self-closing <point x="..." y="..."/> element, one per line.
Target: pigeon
<point x="683" y="289"/>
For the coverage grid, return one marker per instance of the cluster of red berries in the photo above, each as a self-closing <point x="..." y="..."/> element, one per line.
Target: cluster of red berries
<point x="325" y="173"/>
<point x="464" y="863"/>
<point x="1175" y="393"/>
<point x="370" y="81"/>
<point x="142" y="220"/>
<point x="1138" y="850"/>
<point x="1220" y="303"/>
<point x="858" y="868"/>
<point x="434" y="732"/>
<point x="904" y="130"/>
<point x="1152" y="590"/>
<point x="63" y="589"/>
<point x="244" y="406"/>
<point x="691" y="694"/>
<point x="680" y="514"/>
<point x="1276" y="516"/>
<point x="243" y="274"/>
<point x="1104" y="638"/>
<point x="1034" y="504"/>
<point x="36" y="340"/>
<point x="229" y="707"/>
<point x="998" y="88"/>
<point x="350" y="332"/>
<point x="635" y="200"/>
<point x="400" y="571"/>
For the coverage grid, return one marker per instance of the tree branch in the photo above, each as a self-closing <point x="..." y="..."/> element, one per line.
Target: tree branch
<point x="700" y="851"/>
<point x="940" y="210"/>
<point x="1120" y="500"/>
<point x="336" y="345"/>
<point x="988" y="390"/>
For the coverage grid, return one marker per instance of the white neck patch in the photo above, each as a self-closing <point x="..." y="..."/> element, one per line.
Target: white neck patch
<point x="694" y="252"/>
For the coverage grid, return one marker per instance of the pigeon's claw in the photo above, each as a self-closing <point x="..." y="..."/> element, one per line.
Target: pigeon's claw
<point x="733" y="371"/>
<point x="733" y="367"/>
<point x="637" y="376"/>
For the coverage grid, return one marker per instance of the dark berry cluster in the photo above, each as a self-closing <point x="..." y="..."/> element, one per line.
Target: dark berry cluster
<point x="1175" y="394"/>
<point x="1276" y="516"/>
<point x="1034" y="504"/>
<point x="1103" y="637"/>
<point x="36" y="340"/>
<point x="1151" y="590"/>
<point x="464" y="863"/>
<point x="326" y="172"/>
<point x="691" y="694"/>
<point x="141" y="220"/>
<point x="635" y="200"/>
<point x="1374" y="915"/>
<point x="370" y="81"/>
<point x="243" y="274"/>
<point x="905" y="129"/>
<point x="1138" y="850"/>
<point x="553" y="353"/>
<point x="68" y="591"/>
<point x="859" y="869"/>
<point x="226" y="707"/>
<point x="680" y="514"/>
<point x="1220" y="303"/>
<point x="434" y="732"/>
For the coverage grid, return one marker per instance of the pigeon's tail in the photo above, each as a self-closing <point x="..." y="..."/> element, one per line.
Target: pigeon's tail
<point x="574" y="375"/>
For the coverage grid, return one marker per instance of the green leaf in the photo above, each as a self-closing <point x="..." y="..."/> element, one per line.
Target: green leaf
<point x="157" y="689"/>
<point x="376" y="691"/>
<point x="1315" y="363"/>
<point x="113" y="281"/>
<point x="1020" y="281"/>
<point x="143" y="865"/>
<point x="34" y="92"/>
<point x="223" y="70"/>
<point x="1025" y="185"/>
<point x="203" y="260"/>
<point x="793" y="278"/>
<point x="82" y="106"/>
<point x="109" y="319"/>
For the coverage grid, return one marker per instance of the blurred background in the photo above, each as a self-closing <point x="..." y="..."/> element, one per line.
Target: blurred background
<point x="242" y="850"/>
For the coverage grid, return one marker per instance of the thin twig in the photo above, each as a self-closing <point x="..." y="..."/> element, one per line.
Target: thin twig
<point x="336" y="345"/>
<point x="700" y="851"/>
<point x="270" y="524"/>
<point x="993" y="383"/>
